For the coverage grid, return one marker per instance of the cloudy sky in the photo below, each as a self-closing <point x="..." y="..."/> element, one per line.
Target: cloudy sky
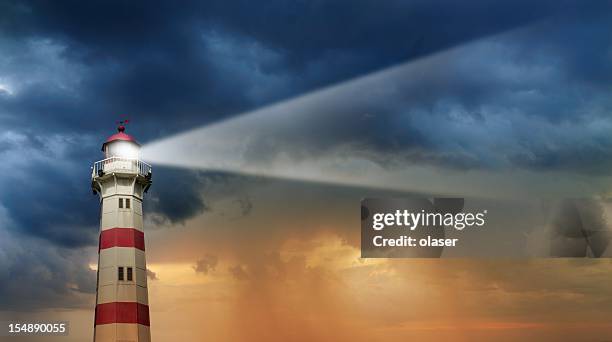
<point x="478" y="98"/>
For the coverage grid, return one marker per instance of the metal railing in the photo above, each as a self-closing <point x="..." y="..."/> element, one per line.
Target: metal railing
<point x="121" y="165"/>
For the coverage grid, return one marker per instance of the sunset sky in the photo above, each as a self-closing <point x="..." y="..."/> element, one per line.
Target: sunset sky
<point x="498" y="100"/>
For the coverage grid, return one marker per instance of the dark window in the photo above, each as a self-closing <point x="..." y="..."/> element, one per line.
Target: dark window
<point x="121" y="203"/>
<point x="129" y="274"/>
<point x="127" y="203"/>
<point x="120" y="273"/>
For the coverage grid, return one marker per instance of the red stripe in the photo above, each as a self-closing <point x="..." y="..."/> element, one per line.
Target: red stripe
<point x="122" y="312"/>
<point x="122" y="237"/>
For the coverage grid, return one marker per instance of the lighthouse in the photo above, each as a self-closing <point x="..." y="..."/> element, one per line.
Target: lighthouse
<point x="121" y="180"/>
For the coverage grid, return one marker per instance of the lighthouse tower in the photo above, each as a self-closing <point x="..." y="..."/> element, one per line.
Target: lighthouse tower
<point x="121" y="180"/>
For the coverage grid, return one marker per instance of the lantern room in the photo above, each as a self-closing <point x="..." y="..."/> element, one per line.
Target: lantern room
<point x="121" y="145"/>
<point x="121" y="157"/>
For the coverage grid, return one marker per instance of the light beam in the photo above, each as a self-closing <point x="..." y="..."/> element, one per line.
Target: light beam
<point x="359" y="133"/>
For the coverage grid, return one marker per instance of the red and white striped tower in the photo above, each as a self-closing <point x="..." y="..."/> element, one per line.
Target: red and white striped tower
<point x="121" y="180"/>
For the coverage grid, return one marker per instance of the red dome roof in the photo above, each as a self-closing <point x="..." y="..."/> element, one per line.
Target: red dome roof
<point x="120" y="136"/>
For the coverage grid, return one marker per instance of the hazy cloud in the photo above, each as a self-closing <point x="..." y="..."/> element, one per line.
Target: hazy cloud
<point x="152" y="275"/>
<point x="207" y="264"/>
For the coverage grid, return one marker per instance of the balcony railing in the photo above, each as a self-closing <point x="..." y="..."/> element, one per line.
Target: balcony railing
<point x="120" y="165"/>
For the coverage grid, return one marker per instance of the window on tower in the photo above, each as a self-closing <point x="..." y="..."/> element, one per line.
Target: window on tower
<point x="129" y="274"/>
<point x="120" y="273"/>
<point x="120" y="203"/>
<point x="127" y="203"/>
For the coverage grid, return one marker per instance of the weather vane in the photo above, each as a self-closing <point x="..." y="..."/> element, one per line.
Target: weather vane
<point x="121" y="124"/>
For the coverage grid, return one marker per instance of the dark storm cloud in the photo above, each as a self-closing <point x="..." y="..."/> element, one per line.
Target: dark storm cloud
<point x="35" y="208"/>
<point x="69" y="70"/>
<point x="35" y="275"/>
<point x="178" y="195"/>
<point x="149" y="61"/>
<point x="175" y="196"/>
<point x="47" y="197"/>
<point x="526" y="99"/>
<point x="74" y="66"/>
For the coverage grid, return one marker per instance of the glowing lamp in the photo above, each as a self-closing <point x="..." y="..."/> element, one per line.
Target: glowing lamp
<point x="121" y="145"/>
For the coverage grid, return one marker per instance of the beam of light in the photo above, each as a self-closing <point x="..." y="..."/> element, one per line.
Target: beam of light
<point x="350" y="134"/>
